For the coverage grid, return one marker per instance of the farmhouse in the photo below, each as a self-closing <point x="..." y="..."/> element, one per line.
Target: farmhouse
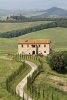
<point x="34" y="46"/>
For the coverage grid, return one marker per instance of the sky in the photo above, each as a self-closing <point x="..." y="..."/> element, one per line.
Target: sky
<point x="32" y="4"/>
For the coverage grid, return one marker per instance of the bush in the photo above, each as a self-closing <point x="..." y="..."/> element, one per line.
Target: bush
<point x="58" y="61"/>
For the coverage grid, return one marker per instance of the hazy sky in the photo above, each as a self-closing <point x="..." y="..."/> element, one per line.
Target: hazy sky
<point x="32" y="4"/>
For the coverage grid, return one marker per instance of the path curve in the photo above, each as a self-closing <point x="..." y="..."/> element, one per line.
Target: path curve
<point x="20" y="86"/>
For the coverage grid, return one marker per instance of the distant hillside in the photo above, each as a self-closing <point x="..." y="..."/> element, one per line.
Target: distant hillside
<point x="54" y="12"/>
<point x="5" y="12"/>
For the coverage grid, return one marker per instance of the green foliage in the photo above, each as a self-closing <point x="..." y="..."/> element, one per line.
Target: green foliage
<point x="17" y="33"/>
<point x="12" y="77"/>
<point x="30" y="81"/>
<point x="57" y="23"/>
<point x="60" y="83"/>
<point x="58" y="61"/>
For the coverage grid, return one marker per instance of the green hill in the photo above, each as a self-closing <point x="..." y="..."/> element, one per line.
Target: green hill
<point x="58" y="38"/>
<point x="54" y="12"/>
<point x="5" y="27"/>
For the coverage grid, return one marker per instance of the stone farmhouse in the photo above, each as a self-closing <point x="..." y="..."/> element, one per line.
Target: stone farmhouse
<point x="34" y="46"/>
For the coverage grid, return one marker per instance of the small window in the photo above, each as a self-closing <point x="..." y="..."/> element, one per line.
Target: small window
<point x="44" y="51"/>
<point x="22" y="45"/>
<point x="27" y="45"/>
<point x="39" y="45"/>
<point x="33" y="46"/>
<point x="44" y="45"/>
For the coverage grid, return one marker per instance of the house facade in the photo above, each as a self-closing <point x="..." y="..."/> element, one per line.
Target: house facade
<point x="34" y="47"/>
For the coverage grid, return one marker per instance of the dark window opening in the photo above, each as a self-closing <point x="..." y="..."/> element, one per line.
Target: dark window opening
<point x="33" y="46"/>
<point x="27" y="45"/>
<point x="44" y="51"/>
<point x="22" y="45"/>
<point x="39" y="45"/>
<point x="33" y="52"/>
<point x="45" y="45"/>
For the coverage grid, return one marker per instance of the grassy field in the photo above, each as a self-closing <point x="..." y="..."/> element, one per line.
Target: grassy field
<point x="4" y="27"/>
<point x="7" y="68"/>
<point x="58" y="38"/>
<point x="53" y="83"/>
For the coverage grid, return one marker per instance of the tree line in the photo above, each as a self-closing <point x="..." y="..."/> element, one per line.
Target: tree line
<point x="11" y="78"/>
<point x="29" y="19"/>
<point x="16" y="33"/>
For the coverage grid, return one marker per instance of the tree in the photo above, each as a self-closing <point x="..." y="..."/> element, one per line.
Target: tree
<point x="58" y="61"/>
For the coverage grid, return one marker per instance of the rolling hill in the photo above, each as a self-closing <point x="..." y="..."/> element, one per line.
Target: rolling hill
<point x="58" y="38"/>
<point x="6" y="12"/>
<point x="51" y="12"/>
<point x="54" y="12"/>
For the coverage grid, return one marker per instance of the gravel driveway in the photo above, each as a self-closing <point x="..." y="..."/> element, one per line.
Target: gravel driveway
<point x="20" y="86"/>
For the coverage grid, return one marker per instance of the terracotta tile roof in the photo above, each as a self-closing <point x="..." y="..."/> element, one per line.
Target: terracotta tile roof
<point x="34" y="41"/>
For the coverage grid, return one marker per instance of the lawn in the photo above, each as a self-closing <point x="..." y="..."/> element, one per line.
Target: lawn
<point x="58" y="38"/>
<point x="4" y="27"/>
<point x="6" y="68"/>
<point x="52" y="83"/>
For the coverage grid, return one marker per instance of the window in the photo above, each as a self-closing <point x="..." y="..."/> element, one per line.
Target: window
<point x="44" y="51"/>
<point x="33" y="52"/>
<point x="44" y="45"/>
<point x="21" y="45"/>
<point x="33" y="46"/>
<point x="39" y="45"/>
<point x="27" y="45"/>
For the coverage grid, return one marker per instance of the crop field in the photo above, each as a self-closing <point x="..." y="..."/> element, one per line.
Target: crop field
<point x="58" y="38"/>
<point x="4" y="27"/>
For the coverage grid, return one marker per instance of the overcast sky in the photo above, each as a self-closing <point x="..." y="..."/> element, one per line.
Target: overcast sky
<point x="32" y="4"/>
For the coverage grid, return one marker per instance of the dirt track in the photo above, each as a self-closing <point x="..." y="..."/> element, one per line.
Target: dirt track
<point x="20" y="86"/>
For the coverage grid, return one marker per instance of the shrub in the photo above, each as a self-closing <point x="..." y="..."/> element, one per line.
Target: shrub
<point x="58" y="61"/>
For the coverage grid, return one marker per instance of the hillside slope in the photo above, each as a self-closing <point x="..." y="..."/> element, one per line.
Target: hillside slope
<point x="58" y="38"/>
<point x="54" y="12"/>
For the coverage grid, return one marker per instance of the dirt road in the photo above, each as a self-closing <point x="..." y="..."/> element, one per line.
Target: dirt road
<point x="20" y="86"/>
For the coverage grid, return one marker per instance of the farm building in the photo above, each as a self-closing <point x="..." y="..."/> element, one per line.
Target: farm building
<point x="34" y="46"/>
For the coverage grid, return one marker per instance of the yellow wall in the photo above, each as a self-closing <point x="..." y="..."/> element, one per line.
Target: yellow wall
<point x="28" y="50"/>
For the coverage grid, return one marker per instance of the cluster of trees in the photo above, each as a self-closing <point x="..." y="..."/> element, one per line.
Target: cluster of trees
<point x="58" y="23"/>
<point x="58" y="61"/>
<point x="17" y="33"/>
<point x="18" y="18"/>
<point x="12" y="77"/>
<point x="29" y="19"/>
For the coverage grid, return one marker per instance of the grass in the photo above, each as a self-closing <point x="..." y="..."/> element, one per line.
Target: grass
<point x="4" y="27"/>
<point x="19" y="77"/>
<point x="50" y="87"/>
<point x="7" y="67"/>
<point x="58" y="38"/>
